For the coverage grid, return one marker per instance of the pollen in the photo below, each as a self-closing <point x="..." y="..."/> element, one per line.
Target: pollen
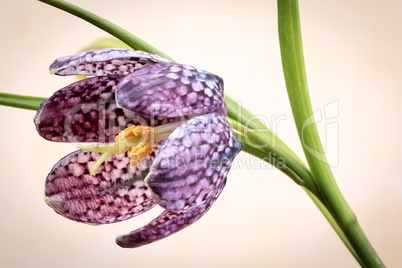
<point x="141" y="148"/>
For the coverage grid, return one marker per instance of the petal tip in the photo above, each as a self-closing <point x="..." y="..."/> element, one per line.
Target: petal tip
<point x="47" y="201"/>
<point x="119" y="242"/>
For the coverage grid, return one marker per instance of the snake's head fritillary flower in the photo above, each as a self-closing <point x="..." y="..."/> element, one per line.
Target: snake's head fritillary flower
<point x="161" y="138"/>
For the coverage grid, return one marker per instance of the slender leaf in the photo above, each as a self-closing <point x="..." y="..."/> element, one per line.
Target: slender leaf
<point x="20" y="101"/>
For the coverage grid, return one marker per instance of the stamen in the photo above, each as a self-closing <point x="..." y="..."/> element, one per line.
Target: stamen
<point x="137" y="139"/>
<point x="134" y="138"/>
<point x="143" y="148"/>
<point x="134" y="131"/>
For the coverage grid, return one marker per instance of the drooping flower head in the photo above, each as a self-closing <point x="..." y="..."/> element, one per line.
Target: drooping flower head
<point x="161" y="138"/>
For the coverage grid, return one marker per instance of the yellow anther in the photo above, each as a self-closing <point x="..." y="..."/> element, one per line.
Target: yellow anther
<point x="139" y="152"/>
<point x="141" y="149"/>
<point x="134" y="131"/>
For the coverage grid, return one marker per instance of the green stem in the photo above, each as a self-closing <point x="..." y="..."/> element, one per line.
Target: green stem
<point x="246" y="118"/>
<point x="20" y="101"/>
<point x="296" y="83"/>
<point x="125" y="36"/>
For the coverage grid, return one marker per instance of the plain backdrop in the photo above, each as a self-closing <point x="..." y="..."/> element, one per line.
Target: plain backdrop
<point x="262" y="219"/>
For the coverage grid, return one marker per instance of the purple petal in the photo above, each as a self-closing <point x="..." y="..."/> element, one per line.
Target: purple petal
<point x="193" y="161"/>
<point x="84" y="111"/>
<point x="168" y="89"/>
<point x="117" y="192"/>
<point x="168" y="222"/>
<point x="108" y="61"/>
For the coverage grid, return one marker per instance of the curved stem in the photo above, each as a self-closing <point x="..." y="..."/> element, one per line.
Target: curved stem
<point x="296" y="83"/>
<point x="246" y="118"/>
<point x="276" y="156"/>
<point x="125" y="36"/>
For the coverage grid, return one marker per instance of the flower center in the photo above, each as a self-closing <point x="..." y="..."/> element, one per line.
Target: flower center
<point x="139" y="140"/>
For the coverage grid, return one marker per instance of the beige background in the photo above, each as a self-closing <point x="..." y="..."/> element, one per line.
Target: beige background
<point x="262" y="219"/>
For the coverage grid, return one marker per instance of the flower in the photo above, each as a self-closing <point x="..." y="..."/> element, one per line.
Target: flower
<point x="175" y="149"/>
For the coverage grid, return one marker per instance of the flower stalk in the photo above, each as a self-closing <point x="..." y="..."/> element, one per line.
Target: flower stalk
<point x="296" y="83"/>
